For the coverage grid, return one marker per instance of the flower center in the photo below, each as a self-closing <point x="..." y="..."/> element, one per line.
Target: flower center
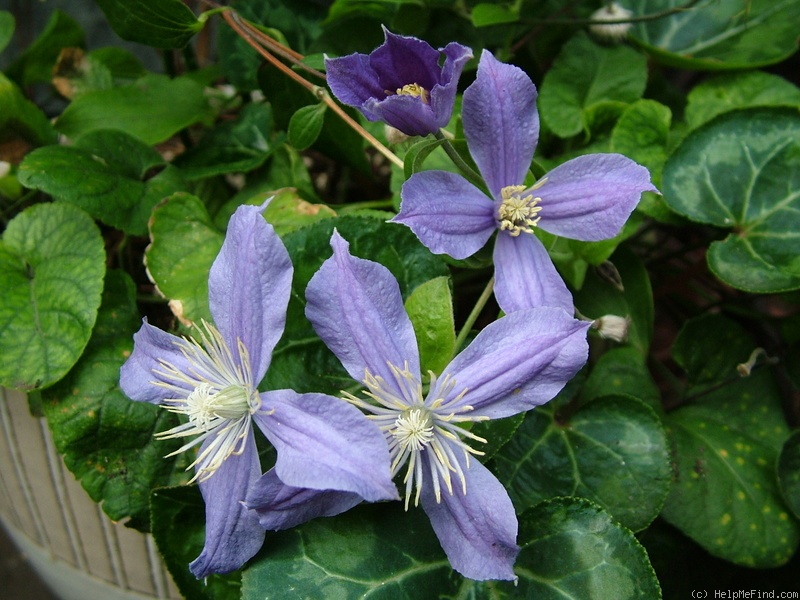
<point x="413" y="429"/>
<point x="413" y="89"/>
<point x="220" y="402"/>
<point x="518" y="213"/>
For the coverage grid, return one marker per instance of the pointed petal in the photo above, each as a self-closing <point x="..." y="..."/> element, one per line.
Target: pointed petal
<point x="478" y="531"/>
<point x="501" y="123"/>
<point x="233" y="534"/>
<point x="402" y="60"/>
<point x="356" y="308"/>
<point x="249" y="286"/>
<point x="324" y="443"/>
<point x="443" y="95"/>
<point x="526" y="276"/>
<point x="280" y="506"/>
<point x="150" y="346"/>
<point x="519" y="361"/>
<point x="589" y="198"/>
<point x="406" y="113"/>
<point x="447" y="213"/>
<point x="353" y="81"/>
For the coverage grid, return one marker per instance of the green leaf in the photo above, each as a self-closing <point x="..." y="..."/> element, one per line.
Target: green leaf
<point x="739" y="171"/>
<point x="416" y="155"/>
<point x="184" y="244"/>
<point x="35" y="64"/>
<point x="612" y="451"/>
<point x="178" y="515"/>
<point x="725" y="493"/>
<point x="622" y="370"/>
<point x="430" y="308"/>
<point x="301" y="360"/>
<point x="52" y="264"/>
<point x="599" y="297"/>
<point x="306" y="125"/>
<point x="583" y="78"/>
<point x="7" y="24"/>
<point x="789" y="472"/>
<point x="157" y="23"/>
<point x="21" y="118"/>
<point x="717" y="35"/>
<point x="107" y="439"/>
<point x="154" y="108"/>
<point x="485" y="14"/>
<point x="728" y="92"/>
<point x="235" y="146"/>
<point x="571" y="548"/>
<point x="102" y="173"/>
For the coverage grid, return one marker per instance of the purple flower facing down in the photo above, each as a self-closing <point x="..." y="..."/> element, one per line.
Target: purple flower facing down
<point x="588" y="198"/>
<point x="513" y="365"/>
<point x="401" y="82"/>
<point x="322" y="443"/>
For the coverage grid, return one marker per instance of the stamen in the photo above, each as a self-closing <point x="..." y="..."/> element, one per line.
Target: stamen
<point x="413" y="89"/>
<point x="518" y="213"/>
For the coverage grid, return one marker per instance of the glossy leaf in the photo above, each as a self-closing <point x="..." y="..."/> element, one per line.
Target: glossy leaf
<point x="21" y="119"/>
<point x="789" y="472"/>
<point x="306" y="125"/>
<point x="584" y="78"/>
<point x="725" y="492"/>
<point x="7" y="23"/>
<point x="713" y="35"/>
<point x="622" y="370"/>
<point x="301" y="360"/>
<point x="733" y="91"/>
<point x="235" y="146"/>
<point x="157" y="23"/>
<point x="52" y="264"/>
<point x="485" y="14"/>
<point x="184" y="244"/>
<point x="430" y="308"/>
<point x="170" y="105"/>
<point x="739" y="171"/>
<point x="107" y="439"/>
<point x="612" y="451"/>
<point x="103" y="174"/>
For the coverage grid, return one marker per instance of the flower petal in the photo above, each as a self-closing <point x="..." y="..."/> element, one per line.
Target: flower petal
<point x="526" y="276"/>
<point x="501" y="123"/>
<point x="447" y="213"/>
<point x="589" y="198"/>
<point x="324" y="443"/>
<point x="403" y="60"/>
<point x="478" y="531"/>
<point x="443" y="94"/>
<point x="353" y="81"/>
<point x="249" y="287"/>
<point x="406" y="113"/>
<point x="233" y="534"/>
<point x="151" y="346"/>
<point x="280" y="506"/>
<point x="356" y="308"/>
<point x="518" y="362"/>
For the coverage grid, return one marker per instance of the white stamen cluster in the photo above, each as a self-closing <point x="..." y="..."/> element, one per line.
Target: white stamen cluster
<point x="418" y="430"/>
<point x="220" y="402"/>
<point x="519" y="210"/>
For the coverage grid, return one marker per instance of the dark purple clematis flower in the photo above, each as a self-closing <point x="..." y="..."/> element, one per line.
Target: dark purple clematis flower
<point x="323" y="443"/>
<point x="516" y="363"/>
<point x="401" y="82"/>
<point x="588" y="198"/>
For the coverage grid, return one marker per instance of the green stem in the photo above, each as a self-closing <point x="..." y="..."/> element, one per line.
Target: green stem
<point x="467" y="171"/>
<point x="369" y="204"/>
<point x="473" y="316"/>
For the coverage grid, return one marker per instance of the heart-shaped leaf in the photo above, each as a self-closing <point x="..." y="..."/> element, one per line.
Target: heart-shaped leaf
<point x="157" y="23"/>
<point x="740" y="171"/>
<point x="52" y="264"/>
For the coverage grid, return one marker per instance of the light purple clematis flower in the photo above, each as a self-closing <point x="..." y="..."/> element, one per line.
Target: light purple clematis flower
<point x="588" y="198"/>
<point x="322" y="443"/>
<point x="516" y="363"/>
<point x="401" y="82"/>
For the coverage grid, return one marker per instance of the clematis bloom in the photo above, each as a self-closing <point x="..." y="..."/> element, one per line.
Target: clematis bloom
<point x="322" y="443"/>
<point x="588" y="198"/>
<point x="516" y="363"/>
<point x="401" y="82"/>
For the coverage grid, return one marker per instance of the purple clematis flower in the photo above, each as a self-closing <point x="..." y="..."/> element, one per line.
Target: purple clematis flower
<point x="588" y="198"/>
<point x="401" y="82"/>
<point x="322" y="443"/>
<point x="516" y="363"/>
